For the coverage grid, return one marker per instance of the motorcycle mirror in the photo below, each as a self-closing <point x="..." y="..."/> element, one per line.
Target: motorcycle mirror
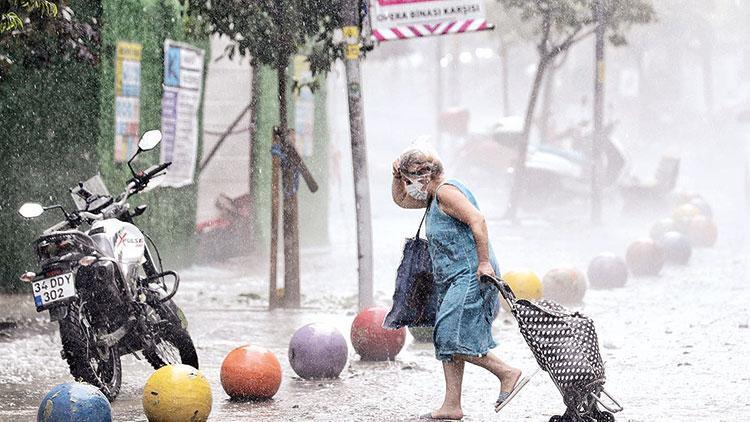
<point x="149" y="140"/>
<point x="31" y="210"/>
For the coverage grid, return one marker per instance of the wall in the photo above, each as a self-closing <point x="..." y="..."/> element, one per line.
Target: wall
<point x="170" y="218"/>
<point x="48" y="137"/>
<point x="57" y="128"/>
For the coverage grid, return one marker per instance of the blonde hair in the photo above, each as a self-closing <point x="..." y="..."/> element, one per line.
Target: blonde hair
<point x="420" y="161"/>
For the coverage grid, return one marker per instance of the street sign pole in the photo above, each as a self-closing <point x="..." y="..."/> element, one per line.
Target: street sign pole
<point x="359" y="152"/>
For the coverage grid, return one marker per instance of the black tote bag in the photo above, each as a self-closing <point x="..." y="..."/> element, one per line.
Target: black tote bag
<point x="414" y="301"/>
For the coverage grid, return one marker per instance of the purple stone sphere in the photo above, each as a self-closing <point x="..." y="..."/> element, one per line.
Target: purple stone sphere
<point x="318" y="351"/>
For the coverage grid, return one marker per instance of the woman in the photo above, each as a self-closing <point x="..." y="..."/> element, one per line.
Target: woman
<point x="461" y="254"/>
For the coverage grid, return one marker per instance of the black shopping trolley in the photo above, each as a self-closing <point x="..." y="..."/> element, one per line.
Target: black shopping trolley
<point x="565" y="346"/>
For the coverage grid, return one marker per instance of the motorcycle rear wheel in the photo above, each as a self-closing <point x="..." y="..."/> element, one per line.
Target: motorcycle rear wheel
<point x="97" y="366"/>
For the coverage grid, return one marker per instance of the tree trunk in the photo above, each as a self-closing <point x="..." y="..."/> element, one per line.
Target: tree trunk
<point x="545" y="128"/>
<point x="505" y="78"/>
<point x="708" y="74"/>
<point x="252" y="131"/>
<point x="290" y="218"/>
<point x="273" y="297"/>
<point x="523" y="146"/>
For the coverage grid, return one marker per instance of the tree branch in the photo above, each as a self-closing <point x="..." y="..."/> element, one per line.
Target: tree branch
<point x="571" y="39"/>
<point x="546" y="28"/>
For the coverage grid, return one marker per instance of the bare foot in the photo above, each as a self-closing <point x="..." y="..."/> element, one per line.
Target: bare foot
<point x="509" y="380"/>
<point x="448" y="413"/>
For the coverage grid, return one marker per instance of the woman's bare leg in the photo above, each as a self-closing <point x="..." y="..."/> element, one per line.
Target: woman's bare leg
<point x="454" y="375"/>
<point x="507" y="374"/>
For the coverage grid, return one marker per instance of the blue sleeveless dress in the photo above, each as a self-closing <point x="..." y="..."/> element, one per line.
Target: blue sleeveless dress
<point x="466" y="307"/>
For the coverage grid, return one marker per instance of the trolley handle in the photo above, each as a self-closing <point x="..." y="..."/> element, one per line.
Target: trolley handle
<point x="613" y="406"/>
<point x="501" y="285"/>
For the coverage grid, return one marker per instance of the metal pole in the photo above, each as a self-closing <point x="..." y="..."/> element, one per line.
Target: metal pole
<point x="359" y="152"/>
<point x="598" y="138"/>
<point x="438" y="93"/>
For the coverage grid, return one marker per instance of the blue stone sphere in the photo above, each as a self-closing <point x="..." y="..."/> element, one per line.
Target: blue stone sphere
<point x="607" y="271"/>
<point x="74" y="402"/>
<point x="677" y="248"/>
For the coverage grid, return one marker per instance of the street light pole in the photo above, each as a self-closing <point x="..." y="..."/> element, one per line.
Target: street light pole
<point x="598" y="138"/>
<point x="359" y="152"/>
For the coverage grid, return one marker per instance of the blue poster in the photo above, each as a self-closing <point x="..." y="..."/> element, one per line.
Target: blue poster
<point x="172" y="66"/>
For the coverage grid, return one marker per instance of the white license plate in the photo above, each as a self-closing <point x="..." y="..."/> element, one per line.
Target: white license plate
<point x="54" y="289"/>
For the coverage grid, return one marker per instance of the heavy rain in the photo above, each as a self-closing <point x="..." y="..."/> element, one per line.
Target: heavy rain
<point x="382" y="210"/>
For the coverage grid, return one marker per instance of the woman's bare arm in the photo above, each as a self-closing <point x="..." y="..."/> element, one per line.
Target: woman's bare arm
<point x="454" y="203"/>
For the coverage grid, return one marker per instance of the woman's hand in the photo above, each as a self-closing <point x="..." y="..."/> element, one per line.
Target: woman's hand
<point x="485" y="268"/>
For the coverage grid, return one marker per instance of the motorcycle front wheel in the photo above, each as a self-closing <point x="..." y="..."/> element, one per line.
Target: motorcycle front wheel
<point x="98" y="366"/>
<point x="171" y="343"/>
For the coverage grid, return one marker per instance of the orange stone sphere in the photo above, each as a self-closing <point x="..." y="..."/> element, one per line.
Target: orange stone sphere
<point x="251" y="372"/>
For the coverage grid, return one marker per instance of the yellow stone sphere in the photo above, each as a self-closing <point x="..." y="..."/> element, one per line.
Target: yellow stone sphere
<point x="525" y="284"/>
<point x="176" y="393"/>
<point x="686" y="212"/>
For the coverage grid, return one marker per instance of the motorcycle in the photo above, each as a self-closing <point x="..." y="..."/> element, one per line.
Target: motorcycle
<point x="104" y="287"/>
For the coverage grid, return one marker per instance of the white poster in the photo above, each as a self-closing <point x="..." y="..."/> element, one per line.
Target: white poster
<point x="404" y="19"/>
<point x="394" y="13"/>
<point x="183" y="77"/>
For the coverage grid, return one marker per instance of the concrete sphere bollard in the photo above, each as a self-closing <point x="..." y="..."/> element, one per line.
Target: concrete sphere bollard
<point x="607" y="271"/>
<point x="683" y="214"/>
<point x="177" y="393"/>
<point x="644" y="257"/>
<point x="525" y="284"/>
<point x="422" y="334"/>
<point x="702" y="232"/>
<point x="566" y="285"/>
<point x="371" y="340"/>
<point x="250" y="372"/>
<point x="662" y="227"/>
<point x="702" y="205"/>
<point x="74" y="402"/>
<point x="318" y="351"/>
<point x="676" y="247"/>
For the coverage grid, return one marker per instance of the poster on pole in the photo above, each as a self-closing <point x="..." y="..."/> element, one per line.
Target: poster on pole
<point x="403" y="19"/>
<point x="127" y="99"/>
<point x="183" y="83"/>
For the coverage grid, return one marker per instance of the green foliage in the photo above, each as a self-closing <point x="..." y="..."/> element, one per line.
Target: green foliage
<point x="10" y="21"/>
<point x="14" y="12"/>
<point x="561" y="23"/>
<point x="41" y="32"/>
<point x="271" y="31"/>
<point x="170" y="218"/>
<point x="57" y="128"/>
<point x="49" y="136"/>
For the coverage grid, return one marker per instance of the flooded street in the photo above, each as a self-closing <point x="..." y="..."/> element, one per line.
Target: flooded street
<point x="294" y="146"/>
<point x="675" y="346"/>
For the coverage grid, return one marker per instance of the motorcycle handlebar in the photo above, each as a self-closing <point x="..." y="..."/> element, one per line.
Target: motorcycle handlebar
<point x="116" y="207"/>
<point x="151" y="172"/>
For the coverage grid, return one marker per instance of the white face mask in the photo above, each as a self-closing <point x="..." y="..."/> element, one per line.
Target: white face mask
<point x="415" y="190"/>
